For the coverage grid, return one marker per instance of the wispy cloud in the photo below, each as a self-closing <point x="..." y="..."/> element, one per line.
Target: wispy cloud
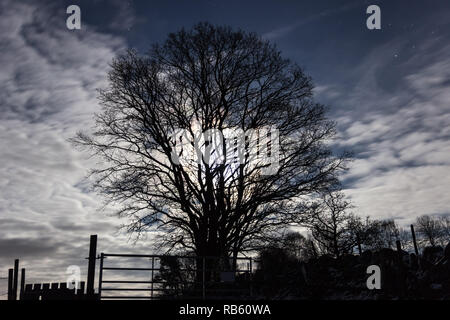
<point x="400" y="132"/>
<point x="285" y="30"/>
<point x="49" y="78"/>
<point x="125" y="17"/>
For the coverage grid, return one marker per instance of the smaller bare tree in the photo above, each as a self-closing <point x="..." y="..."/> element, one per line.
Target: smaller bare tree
<point x="293" y="243"/>
<point x="445" y="226"/>
<point x="365" y="232"/>
<point x="429" y="228"/>
<point x="330" y="225"/>
<point x="388" y="234"/>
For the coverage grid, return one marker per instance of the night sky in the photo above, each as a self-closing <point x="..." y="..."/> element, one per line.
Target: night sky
<point x="388" y="91"/>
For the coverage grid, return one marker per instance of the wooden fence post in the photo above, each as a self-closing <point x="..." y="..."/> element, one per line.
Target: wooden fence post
<point x="91" y="266"/>
<point x="10" y="283"/>
<point x="16" y="278"/>
<point x="399" y="250"/>
<point x="22" y="284"/>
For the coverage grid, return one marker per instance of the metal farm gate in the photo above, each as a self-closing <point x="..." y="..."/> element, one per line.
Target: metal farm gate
<point x="134" y="276"/>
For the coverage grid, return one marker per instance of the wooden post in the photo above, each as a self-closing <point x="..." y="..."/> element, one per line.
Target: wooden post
<point x="10" y="283"/>
<point x="416" y="250"/>
<point x="16" y="278"/>
<point x="91" y="266"/>
<point x="22" y="283"/>
<point x="399" y="250"/>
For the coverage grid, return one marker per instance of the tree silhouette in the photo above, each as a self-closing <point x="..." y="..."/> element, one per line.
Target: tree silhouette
<point x="445" y="225"/>
<point x="364" y="232"/>
<point x="292" y="243"/>
<point x="388" y="234"/>
<point x="330" y="225"/>
<point x="430" y="229"/>
<point x="215" y="194"/>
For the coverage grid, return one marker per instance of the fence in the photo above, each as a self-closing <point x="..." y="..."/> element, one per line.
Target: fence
<point x="171" y="277"/>
<point x="53" y="291"/>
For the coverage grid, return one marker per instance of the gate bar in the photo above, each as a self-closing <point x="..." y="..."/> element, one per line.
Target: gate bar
<point x="162" y="256"/>
<point x="100" y="276"/>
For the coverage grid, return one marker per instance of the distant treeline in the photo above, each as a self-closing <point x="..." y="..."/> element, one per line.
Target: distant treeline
<point x="331" y="262"/>
<point x="339" y="233"/>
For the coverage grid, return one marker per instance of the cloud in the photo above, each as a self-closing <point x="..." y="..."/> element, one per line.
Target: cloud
<point x="399" y="133"/>
<point x="26" y="248"/>
<point x="49" y="79"/>
<point x="125" y="17"/>
<point x="285" y="30"/>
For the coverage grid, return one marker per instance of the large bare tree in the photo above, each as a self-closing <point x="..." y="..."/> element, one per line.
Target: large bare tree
<point x="211" y="79"/>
